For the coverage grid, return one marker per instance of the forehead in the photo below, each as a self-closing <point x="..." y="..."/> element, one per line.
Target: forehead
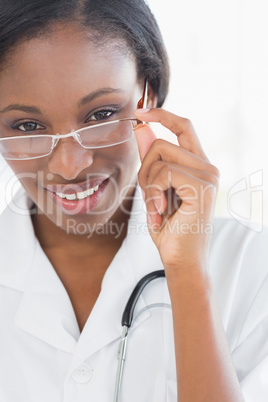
<point x="67" y="57"/>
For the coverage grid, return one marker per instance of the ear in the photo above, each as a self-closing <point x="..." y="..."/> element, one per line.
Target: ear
<point x="152" y="98"/>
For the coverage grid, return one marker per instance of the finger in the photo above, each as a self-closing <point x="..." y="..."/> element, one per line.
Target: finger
<point x="162" y="150"/>
<point x="145" y="137"/>
<point x="171" y="169"/>
<point x="192" y="198"/>
<point x="163" y="176"/>
<point x="154" y="217"/>
<point x="180" y="126"/>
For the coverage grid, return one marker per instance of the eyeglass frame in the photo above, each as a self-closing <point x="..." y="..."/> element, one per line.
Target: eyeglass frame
<point x="75" y="133"/>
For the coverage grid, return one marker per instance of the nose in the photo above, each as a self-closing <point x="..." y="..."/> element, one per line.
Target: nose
<point x="68" y="159"/>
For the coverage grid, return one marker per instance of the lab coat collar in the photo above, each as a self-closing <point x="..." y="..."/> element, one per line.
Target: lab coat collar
<point x="17" y="242"/>
<point x="45" y="310"/>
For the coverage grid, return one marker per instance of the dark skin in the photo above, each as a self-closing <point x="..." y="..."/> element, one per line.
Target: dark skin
<point x="55" y="74"/>
<point x="79" y="260"/>
<point x="83" y="284"/>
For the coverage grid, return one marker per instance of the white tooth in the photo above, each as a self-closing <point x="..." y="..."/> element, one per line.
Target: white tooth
<point x="71" y="197"/>
<point x="61" y="195"/>
<point x="90" y="191"/>
<point x="81" y="195"/>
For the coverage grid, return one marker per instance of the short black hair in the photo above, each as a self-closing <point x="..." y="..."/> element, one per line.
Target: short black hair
<point x="130" y="20"/>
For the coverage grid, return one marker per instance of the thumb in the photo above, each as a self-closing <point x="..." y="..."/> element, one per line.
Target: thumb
<point x="145" y="137"/>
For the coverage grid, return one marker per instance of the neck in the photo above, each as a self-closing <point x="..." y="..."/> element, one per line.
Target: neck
<point x="107" y="236"/>
<point x="81" y="261"/>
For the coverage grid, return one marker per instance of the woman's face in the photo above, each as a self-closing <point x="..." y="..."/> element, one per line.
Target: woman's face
<point x="58" y="83"/>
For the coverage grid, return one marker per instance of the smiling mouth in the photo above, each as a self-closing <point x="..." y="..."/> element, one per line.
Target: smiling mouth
<point x="79" y="195"/>
<point x="79" y="199"/>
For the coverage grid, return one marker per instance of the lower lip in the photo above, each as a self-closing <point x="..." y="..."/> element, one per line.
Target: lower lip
<point x="80" y="207"/>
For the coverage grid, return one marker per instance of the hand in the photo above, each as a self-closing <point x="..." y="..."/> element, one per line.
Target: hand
<point x="181" y="231"/>
<point x="180" y="187"/>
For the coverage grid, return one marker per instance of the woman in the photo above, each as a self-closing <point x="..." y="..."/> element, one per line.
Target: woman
<point x="73" y="242"/>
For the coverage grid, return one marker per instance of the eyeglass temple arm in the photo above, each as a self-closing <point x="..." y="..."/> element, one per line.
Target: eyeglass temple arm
<point x="143" y="101"/>
<point x="142" y="104"/>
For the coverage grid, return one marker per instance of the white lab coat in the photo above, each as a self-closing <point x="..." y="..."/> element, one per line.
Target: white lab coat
<point x="44" y="358"/>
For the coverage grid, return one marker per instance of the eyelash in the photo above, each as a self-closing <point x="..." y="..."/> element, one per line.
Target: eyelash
<point x="110" y="111"/>
<point x="93" y="117"/>
<point x="20" y="124"/>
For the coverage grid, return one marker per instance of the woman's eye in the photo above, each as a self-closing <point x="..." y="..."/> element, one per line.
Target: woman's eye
<point x="28" y="127"/>
<point x="101" y="115"/>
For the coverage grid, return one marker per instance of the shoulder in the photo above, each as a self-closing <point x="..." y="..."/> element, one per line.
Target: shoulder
<point x="239" y="272"/>
<point x="232" y="240"/>
<point x="239" y="268"/>
<point x="238" y="252"/>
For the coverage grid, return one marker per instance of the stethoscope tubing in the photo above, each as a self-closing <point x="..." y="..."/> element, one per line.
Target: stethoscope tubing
<point x="127" y="319"/>
<point x="128" y="313"/>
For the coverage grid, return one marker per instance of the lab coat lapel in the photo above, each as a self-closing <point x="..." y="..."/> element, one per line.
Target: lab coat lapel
<point x="45" y="310"/>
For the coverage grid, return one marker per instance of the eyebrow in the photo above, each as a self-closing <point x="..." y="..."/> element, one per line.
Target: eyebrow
<point x="86" y="99"/>
<point x="97" y="94"/>
<point x="22" y="108"/>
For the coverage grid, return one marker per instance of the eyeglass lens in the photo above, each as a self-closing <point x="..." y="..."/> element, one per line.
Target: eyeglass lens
<point x="97" y="136"/>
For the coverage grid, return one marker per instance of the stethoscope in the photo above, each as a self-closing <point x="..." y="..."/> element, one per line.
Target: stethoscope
<point x="127" y="319"/>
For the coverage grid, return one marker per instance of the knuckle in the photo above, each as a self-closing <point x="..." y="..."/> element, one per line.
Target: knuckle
<point x="214" y="180"/>
<point x="154" y="168"/>
<point x="187" y="122"/>
<point x="161" y="169"/>
<point x="158" y="144"/>
<point x="215" y="171"/>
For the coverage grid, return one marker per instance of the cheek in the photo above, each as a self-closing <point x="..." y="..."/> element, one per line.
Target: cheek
<point x="26" y="167"/>
<point x="122" y="163"/>
<point x="128" y="164"/>
<point x="122" y="160"/>
<point x="125" y="157"/>
<point x="28" y="173"/>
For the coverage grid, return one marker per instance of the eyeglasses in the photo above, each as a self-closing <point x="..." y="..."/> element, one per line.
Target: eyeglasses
<point x="100" y="135"/>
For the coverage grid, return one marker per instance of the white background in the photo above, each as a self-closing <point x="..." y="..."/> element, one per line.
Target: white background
<point x="219" y="65"/>
<point x="219" y="79"/>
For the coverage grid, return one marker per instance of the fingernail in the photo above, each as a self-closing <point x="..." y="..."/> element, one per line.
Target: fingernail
<point x="140" y="125"/>
<point x="142" y="111"/>
<point x="152" y="226"/>
<point x="149" y="219"/>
